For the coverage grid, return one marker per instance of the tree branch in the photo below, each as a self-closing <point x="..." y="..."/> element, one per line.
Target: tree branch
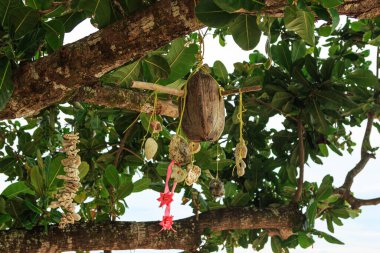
<point x="145" y="235"/>
<point x="51" y="80"/>
<point x="301" y="151"/>
<point x="116" y="97"/>
<point x="365" y="156"/>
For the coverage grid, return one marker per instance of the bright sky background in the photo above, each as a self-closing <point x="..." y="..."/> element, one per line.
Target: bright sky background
<point x="359" y="235"/>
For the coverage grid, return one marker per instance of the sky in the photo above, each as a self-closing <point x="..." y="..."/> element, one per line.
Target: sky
<point x="359" y="235"/>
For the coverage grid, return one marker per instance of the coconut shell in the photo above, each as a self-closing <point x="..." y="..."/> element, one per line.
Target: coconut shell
<point x="203" y="117"/>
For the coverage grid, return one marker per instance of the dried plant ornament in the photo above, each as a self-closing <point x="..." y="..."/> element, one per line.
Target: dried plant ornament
<point x="241" y="149"/>
<point x="156" y="127"/>
<point x="150" y="148"/>
<point x="216" y="188"/>
<point x="194" y="147"/>
<point x="179" y="150"/>
<point x="66" y="195"/>
<point x="178" y="174"/>
<point x="193" y="173"/>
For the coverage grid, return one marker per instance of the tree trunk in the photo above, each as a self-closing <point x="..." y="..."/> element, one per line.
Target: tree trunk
<point x="145" y="235"/>
<point x="55" y="78"/>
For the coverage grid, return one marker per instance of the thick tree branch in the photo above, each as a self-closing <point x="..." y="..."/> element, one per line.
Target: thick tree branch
<point x="362" y="9"/>
<point x="145" y="235"/>
<point x="52" y="79"/>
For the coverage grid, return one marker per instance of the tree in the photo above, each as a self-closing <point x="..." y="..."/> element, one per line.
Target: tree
<point x="158" y="42"/>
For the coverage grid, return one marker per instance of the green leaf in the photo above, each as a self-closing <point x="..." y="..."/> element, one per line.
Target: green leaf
<point x="37" y="180"/>
<point x="17" y="188"/>
<point x="71" y="20"/>
<point x="280" y="99"/>
<point x="180" y="58"/>
<point x="54" y="168"/>
<point x="141" y="184"/>
<point x="375" y="42"/>
<point x="125" y="75"/>
<point x="331" y="3"/>
<point x="33" y="207"/>
<point x="300" y="22"/>
<point x="220" y="71"/>
<point x="22" y="20"/>
<point x="157" y="66"/>
<point x="245" y="31"/>
<point x="100" y="11"/>
<point x="327" y="69"/>
<point x="323" y="149"/>
<point x="2" y="205"/>
<point x="318" y="116"/>
<point x="298" y="50"/>
<point x="6" y="83"/>
<point x="241" y="199"/>
<point x="325" y="189"/>
<point x="211" y="15"/>
<point x="83" y="169"/>
<point x="125" y="189"/>
<point x="363" y="77"/>
<point x="311" y="214"/>
<point x="336" y="98"/>
<point x="55" y="32"/>
<point x="112" y="176"/>
<point x="276" y="244"/>
<point x="5" y="7"/>
<point x="331" y="239"/>
<point x="304" y="240"/>
<point x="282" y="56"/>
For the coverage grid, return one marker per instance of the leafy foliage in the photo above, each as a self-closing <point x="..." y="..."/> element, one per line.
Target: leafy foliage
<point x="328" y="94"/>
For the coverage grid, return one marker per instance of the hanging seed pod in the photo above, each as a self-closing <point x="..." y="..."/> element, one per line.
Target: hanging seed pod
<point x="194" y="147"/>
<point x="179" y="150"/>
<point x="203" y="117"/>
<point x="156" y="126"/>
<point x="150" y="148"/>
<point x="216" y="188"/>
<point x="193" y="173"/>
<point x="178" y="174"/>
<point x="241" y="150"/>
<point x="240" y="167"/>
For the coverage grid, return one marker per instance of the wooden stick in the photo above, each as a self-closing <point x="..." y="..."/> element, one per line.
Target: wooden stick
<point x="180" y="93"/>
<point x="157" y="87"/>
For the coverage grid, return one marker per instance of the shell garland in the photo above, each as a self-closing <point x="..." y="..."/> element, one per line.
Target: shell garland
<point x="66" y="195"/>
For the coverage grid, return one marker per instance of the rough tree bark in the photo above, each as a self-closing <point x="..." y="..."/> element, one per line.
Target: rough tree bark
<point x="55" y="78"/>
<point x="145" y="235"/>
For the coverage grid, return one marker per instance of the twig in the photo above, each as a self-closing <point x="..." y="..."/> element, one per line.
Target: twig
<point x="301" y="150"/>
<point x="180" y="93"/>
<point x="365" y="156"/>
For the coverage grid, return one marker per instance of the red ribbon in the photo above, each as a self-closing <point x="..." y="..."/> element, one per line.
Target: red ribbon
<point x="166" y="198"/>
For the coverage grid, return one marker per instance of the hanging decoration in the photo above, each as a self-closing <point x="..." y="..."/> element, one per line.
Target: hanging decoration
<point x="66" y="195"/>
<point x="241" y="148"/>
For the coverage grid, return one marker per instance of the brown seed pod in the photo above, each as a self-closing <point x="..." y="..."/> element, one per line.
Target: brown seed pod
<point x="179" y="150"/>
<point x="240" y="167"/>
<point x="216" y="188"/>
<point x="203" y="116"/>
<point x="150" y="148"/>
<point x="193" y="173"/>
<point x="241" y="150"/>
<point x="194" y="147"/>
<point x="178" y="174"/>
<point x="156" y="126"/>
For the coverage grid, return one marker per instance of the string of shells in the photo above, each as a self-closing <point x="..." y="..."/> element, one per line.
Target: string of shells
<point x="66" y="195"/>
